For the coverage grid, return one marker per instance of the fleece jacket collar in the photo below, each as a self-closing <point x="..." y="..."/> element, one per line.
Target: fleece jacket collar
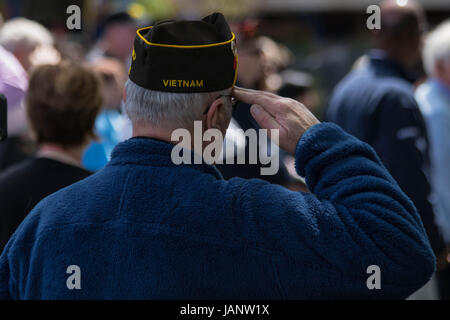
<point x="385" y="66"/>
<point x="146" y="151"/>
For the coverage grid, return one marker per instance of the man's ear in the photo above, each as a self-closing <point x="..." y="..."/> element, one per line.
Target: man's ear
<point x="215" y="115"/>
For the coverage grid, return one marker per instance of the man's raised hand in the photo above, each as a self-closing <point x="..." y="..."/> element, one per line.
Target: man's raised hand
<point x="290" y="117"/>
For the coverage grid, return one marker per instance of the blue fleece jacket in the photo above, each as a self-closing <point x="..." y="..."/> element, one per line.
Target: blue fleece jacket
<point x="143" y="227"/>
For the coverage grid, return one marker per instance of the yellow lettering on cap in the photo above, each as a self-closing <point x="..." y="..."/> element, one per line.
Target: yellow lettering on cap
<point x="183" y="83"/>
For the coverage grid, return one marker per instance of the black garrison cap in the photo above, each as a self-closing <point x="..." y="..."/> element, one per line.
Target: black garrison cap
<point x="185" y="56"/>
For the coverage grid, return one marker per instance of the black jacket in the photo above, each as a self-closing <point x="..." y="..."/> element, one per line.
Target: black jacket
<point x="23" y="185"/>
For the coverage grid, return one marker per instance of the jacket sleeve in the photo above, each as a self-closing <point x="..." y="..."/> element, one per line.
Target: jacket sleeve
<point x="356" y="216"/>
<point x="402" y="145"/>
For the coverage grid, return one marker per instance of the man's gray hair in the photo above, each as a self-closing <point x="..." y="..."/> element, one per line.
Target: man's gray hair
<point x="19" y="32"/>
<point x="437" y="47"/>
<point x="167" y="109"/>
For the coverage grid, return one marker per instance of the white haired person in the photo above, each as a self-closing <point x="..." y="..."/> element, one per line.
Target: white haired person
<point x="149" y="227"/>
<point x="29" y="41"/>
<point x="433" y="98"/>
<point x="13" y="84"/>
<point x="23" y="44"/>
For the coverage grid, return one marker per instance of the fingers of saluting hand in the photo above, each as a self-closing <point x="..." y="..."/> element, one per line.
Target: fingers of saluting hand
<point x="275" y="112"/>
<point x="267" y="101"/>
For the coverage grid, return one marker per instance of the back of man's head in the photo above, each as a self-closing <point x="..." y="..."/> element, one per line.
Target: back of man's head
<point x="402" y="24"/>
<point x="179" y="69"/>
<point x="167" y="110"/>
<point x="62" y="103"/>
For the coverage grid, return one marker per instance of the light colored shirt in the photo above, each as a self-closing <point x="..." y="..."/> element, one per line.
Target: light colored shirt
<point x="13" y="84"/>
<point x="111" y="128"/>
<point x="433" y="98"/>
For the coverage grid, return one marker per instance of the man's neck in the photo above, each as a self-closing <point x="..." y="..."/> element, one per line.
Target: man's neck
<point x="390" y="63"/>
<point x="148" y="132"/>
<point x="164" y="135"/>
<point x="71" y="156"/>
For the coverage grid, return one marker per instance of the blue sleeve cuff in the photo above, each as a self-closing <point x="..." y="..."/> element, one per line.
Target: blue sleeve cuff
<point x="315" y="141"/>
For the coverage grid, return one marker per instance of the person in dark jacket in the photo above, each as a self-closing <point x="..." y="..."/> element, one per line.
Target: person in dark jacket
<point x="149" y="227"/>
<point x="62" y="103"/>
<point x="376" y="104"/>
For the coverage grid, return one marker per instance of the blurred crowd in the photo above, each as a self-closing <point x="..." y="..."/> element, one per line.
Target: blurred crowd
<point x="65" y="110"/>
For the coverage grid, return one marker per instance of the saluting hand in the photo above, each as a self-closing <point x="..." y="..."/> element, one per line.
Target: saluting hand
<point x="290" y="117"/>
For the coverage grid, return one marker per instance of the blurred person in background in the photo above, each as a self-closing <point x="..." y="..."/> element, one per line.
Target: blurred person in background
<point x="433" y="98"/>
<point x="116" y="39"/>
<point x="376" y="104"/>
<point x="23" y="45"/>
<point x="111" y="126"/>
<point x="62" y="103"/>
<point x="260" y="61"/>
<point x="13" y="84"/>
<point x="299" y="86"/>
<point x="30" y="42"/>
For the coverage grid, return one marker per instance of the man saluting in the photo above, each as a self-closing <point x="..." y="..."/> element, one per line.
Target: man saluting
<point x="146" y="228"/>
